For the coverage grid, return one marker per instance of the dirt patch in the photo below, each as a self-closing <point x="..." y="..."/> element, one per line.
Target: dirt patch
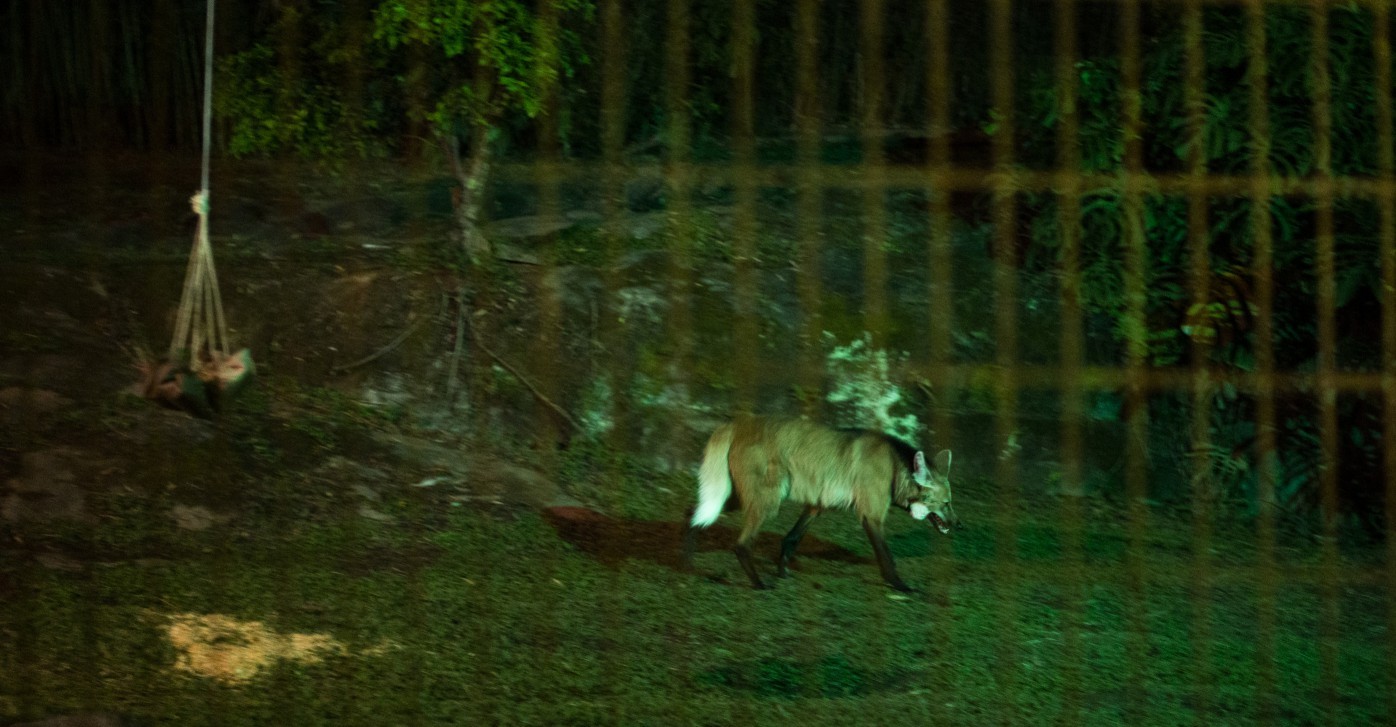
<point x="234" y="652"/>
<point x="16" y="400"/>
<point x="196" y="517"/>
<point x="47" y="488"/>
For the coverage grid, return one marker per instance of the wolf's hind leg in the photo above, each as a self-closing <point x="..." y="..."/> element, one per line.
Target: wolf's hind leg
<point x="751" y="525"/>
<point x="690" y="540"/>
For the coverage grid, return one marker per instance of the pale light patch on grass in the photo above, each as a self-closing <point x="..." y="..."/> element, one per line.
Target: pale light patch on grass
<point x="234" y="652"/>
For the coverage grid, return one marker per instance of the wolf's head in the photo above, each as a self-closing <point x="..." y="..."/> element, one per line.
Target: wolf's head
<point x="932" y="498"/>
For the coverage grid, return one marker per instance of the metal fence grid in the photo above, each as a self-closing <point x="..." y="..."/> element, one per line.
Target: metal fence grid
<point x="1073" y="377"/>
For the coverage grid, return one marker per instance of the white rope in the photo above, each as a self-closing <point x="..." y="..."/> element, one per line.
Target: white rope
<point x="208" y="95"/>
<point x="200" y="321"/>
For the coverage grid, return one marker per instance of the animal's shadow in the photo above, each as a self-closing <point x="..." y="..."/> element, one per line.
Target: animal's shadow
<point x="611" y="540"/>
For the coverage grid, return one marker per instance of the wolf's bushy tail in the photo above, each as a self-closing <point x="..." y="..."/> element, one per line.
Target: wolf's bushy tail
<point x="714" y="478"/>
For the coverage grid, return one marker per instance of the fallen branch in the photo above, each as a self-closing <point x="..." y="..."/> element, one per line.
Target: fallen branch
<point x="576" y="428"/>
<point x="454" y="369"/>
<point x="380" y="353"/>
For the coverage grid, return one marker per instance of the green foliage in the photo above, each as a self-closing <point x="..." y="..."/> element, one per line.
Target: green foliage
<point x="497" y="56"/>
<point x="294" y="98"/>
<point x="1228" y="145"/>
<point x="1226" y="142"/>
<point x="353" y="84"/>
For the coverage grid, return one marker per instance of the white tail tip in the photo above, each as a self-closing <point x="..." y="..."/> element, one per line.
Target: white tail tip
<point x="706" y="514"/>
<point x="714" y="479"/>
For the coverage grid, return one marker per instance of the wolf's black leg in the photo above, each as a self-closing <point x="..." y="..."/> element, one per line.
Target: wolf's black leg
<point x="743" y="552"/>
<point x="792" y="540"/>
<point x="884" y="556"/>
<point x="690" y="539"/>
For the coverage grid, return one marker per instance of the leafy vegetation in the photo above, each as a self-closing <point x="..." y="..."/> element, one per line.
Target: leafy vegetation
<point x="444" y="605"/>
<point x="1222" y="329"/>
<point x="453" y="70"/>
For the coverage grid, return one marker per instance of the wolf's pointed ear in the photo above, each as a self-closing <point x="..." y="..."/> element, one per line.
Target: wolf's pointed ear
<point x="943" y="463"/>
<point x="918" y="469"/>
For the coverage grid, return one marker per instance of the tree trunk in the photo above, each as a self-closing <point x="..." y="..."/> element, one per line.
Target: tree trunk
<point x="472" y="174"/>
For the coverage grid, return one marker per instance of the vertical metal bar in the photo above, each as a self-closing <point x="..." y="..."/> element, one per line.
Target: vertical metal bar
<point x="164" y="39"/>
<point x="481" y="280"/>
<point x="1199" y="282"/>
<point x="20" y="664"/>
<point x="1072" y="355"/>
<point x="872" y="126"/>
<point x="1001" y="82"/>
<point x="1386" y="169"/>
<point x="942" y="306"/>
<point x="809" y="205"/>
<point x="482" y="596"/>
<point x="1326" y="364"/>
<point x="356" y="31"/>
<point x="30" y="75"/>
<point x="1136" y="356"/>
<point x="97" y="138"/>
<point x="941" y="244"/>
<point x="810" y="202"/>
<point x="1265" y="451"/>
<point x="100" y="102"/>
<point x="288" y="40"/>
<point x="677" y="73"/>
<point x="546" y="344"/>
<point x="617" y="373"/>
<point x="745" y="334"/>
<point x="357" y="39"/>
<point x="549" y="344"/>
<point x="98" y="132"/>
<point x="613" y="121"/>
<point x="679" y="173"/>
<point x="28" y="63"/>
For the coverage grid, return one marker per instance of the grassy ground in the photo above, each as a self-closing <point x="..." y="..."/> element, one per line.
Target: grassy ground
<point x="501" y="615"/>
<point x="297" y="606"/>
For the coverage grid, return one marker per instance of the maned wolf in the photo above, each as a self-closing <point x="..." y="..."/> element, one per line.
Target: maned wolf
<point x="769" y="460"/>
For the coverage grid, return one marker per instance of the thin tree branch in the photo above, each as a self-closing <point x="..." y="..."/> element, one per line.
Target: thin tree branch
<point x="380" y="353"/>
<point x="576" y="428"/>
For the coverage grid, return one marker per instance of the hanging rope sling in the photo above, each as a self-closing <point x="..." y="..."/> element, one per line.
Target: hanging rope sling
<point x="199" y="374"/>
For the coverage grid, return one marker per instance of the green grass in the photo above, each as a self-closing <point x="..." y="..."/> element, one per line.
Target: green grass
<point x="496" y="617"/>
<point x="500" y="615"/>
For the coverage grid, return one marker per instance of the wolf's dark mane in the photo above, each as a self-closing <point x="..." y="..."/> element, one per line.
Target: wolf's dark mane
<point x="905" y="452"/>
